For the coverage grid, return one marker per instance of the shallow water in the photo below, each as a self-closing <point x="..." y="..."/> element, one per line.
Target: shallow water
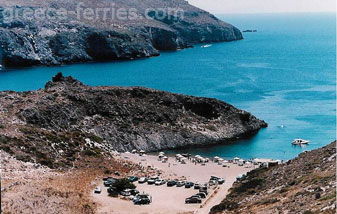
<point x="283" y="74"/>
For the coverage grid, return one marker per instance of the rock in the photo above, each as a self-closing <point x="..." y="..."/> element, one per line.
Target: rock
<point x="25" y="42"/>
<point x="67" y="113"/>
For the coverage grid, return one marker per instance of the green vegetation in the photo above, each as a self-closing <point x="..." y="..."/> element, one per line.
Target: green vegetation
<point x="123" y="184"/>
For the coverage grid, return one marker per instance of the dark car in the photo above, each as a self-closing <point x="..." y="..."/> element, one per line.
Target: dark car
<point x="133" y="178"/>
<point x="107" y="178"/>
<point x="109" y="182"/>
<point x="112" y="192"/>
<point x="140" y="201"/>
<point x="171" y="183"/>
<point x="192" y="200"/>
<point x="180" y="183"/>
<point x="201" y="194"/>
<point x="134" y="192"/>
<point x="189" y="184"/>
<point x="117" y="173"/>
<point x="196" y="186"/>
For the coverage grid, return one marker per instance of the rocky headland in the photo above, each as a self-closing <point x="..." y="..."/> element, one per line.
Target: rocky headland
<point x="73" y="39"/>
<point x="67" y="119"/>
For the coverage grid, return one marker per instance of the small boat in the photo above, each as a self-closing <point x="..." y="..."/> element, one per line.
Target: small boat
<point x="206" y="46"/>
<point x="300" y="142"/>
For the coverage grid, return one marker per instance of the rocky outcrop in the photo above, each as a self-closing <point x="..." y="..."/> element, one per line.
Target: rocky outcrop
<point x="68" y="116"/>
<point x="306" y="184"/>
<point x="27" y="42"/>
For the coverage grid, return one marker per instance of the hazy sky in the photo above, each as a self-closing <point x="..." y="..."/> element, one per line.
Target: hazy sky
<point x="265" y="6"/>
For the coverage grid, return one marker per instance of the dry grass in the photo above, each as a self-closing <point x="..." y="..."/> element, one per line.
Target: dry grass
<point x="60" y="192"/>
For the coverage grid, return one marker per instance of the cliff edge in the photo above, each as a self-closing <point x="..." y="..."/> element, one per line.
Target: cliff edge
<point x="49" y="32"/>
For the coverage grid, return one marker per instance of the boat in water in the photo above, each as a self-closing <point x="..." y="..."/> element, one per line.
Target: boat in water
<point x="206" y="46"/>
<point x="300" y="142"/>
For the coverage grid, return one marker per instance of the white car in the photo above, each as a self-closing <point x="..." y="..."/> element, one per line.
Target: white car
<point x="98" y="190"/>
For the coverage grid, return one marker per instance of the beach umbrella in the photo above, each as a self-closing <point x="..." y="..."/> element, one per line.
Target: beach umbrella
<point x="236" y="158"/>
<point x="216" y="157"/>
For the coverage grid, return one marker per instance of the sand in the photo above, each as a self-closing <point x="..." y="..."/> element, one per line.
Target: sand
<point x="171" y="200"/>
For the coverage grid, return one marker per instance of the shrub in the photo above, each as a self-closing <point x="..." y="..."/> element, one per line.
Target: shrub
<point x="123" y="184"/>
<point x="225" y="205"/>
<point x="250" y="184"/>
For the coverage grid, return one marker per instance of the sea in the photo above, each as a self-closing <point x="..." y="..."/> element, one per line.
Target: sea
<point x="285" y="74"/>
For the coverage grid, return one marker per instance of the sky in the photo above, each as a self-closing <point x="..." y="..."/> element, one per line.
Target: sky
<point x="265" y="6"/>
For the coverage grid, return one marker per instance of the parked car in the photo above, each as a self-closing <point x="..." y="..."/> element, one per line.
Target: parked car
<point x="126" y="192"/>
<point x="180" y="183"/>
<point x="112" y="192"/>
<point x="215" y="179"/>
<point x="221" y="181"/>
<point x="134" y="192"/>
<point x="151" y="181"/>
<point x="159" y="182"/>
<point x="201" y="194"/>
<point x="117" y="173"/>
<point x="171" y="183"/>
<point x="196" y="186"/>
<point x="189" y="184"/>
<point x="192" y="200"/>
<point x="98" y="190"/>
<point x="107" y="178"/>
<point x="212" y="182"/>
<point x="133" y="178"/>
<point x="140" y="199"/>
<point x="142" y="180"/>
<point x="204" y="189"/>
<point x="154" y="178"/>
<point x="109" y="182"/>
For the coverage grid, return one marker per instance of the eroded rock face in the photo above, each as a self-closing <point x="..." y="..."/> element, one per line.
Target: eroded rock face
<point x="119" y="118"/>
<point x="28" y="42"/>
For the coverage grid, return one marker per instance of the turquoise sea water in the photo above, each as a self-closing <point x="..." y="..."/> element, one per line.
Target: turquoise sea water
<point x="284" y="74"/>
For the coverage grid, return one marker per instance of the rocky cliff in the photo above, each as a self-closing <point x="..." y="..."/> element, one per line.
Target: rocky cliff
<point x="304" y="185"/>
<point x="68" y="119"/>
<point x="27" y="41"/>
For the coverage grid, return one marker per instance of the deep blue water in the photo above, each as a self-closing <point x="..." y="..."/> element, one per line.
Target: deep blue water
<point x="284" y="74"/>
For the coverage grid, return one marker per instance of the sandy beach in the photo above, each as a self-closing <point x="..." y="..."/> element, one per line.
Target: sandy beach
<point x="171" y="200"/>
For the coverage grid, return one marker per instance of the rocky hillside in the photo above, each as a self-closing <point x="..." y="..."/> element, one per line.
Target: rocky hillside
<point x="304" y="185"/>
<point x="68" y="119"/>
<point x="73" y="38"/>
